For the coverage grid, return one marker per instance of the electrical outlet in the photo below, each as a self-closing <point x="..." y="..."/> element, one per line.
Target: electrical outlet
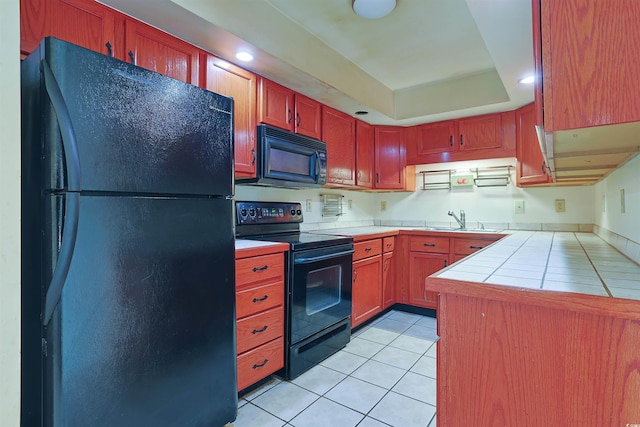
<point x="560" y="205"/>
<point x="350" y="204"/>
<point x="518" y="206"/>
<point x="308" y="205"/>
<point x="383" y="206"/>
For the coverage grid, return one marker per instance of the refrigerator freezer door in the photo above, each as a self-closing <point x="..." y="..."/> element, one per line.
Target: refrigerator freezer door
<point x="144" y="331"/>
<point x="136" y="131"/>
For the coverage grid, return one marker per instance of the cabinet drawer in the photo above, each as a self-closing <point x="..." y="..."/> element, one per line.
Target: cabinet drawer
<point x="388" y="244"/>
<point x="260" y="298"/>
<point x="367" y="249"/>
<point x="256" y="364"/>
<point x="259" y="269"/>
<point x="255" y="330"/>
<point x="469" y="246"/>
<point x="429" y="244"/>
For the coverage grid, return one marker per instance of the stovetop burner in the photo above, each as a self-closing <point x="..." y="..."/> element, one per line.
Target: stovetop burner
<point x="279" y="222"/>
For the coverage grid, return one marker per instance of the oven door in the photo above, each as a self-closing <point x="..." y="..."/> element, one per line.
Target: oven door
<point x="320" y="289"/>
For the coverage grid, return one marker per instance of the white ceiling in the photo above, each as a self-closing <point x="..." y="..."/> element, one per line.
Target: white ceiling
<point x="428" y="60"/>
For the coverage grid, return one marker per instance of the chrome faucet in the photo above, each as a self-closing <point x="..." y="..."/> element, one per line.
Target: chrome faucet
<point x="462" y="221"/>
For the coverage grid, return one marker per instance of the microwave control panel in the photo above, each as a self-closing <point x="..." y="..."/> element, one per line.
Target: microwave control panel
<point x="268" y="213"/>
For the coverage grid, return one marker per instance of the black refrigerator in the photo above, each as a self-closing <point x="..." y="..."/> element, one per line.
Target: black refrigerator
<point x="128" y="300"/>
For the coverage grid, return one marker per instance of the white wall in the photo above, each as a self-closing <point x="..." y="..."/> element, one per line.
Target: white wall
<point x="10" y="213"/>
<point x="491" y="206"/>
<point x="608" y="213"/>
<point x="361" y="213"/>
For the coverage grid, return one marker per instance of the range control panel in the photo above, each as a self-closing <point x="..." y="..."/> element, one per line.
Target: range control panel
<point x="268" y="213"/>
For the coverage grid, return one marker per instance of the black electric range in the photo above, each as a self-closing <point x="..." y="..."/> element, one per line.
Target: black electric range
<point x="318" y="272"/>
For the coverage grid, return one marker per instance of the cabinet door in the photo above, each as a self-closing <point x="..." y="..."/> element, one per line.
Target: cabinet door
<point x="437" y="138"/>
<point x="339" y="133"/>
<point x="388" y="282"/>
<point x="158" y="51"/>
<point x="275" y="104"/>
<point x="230" y="80"/>
<point x="531" y="166"/>
<point x="308" y="116"/>
<point x="366" y="291"/>
<point x="590" y="63"/>
<point x="364" y="155"/>
<point x="83" y="22"/>
<point x="389" y="158"/>
<point x="480" y="132"/>
<point x="422" y="265"/>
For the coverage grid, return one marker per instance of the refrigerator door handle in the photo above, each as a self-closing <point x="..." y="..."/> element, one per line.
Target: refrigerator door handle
<point x="67" y="246"/>
<point x="71" y="156"/>
<point x="72" y="197"/>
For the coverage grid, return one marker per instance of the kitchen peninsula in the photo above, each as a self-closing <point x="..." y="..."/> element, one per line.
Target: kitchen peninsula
<point x="540" y="328"/>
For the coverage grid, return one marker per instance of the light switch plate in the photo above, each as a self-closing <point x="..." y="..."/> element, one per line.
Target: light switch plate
<point x="518" y="206"/>
<point x="308" y="205"/>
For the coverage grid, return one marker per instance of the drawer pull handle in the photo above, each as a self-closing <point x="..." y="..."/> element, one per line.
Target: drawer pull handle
<point x="260" y="365"/>
<point x="261" y="299"/>
<point x="476" y="247"/>
<point x="389" y="245"/>
<point x="367" y="249"/>
<point x="264" y="267"/>
<point x="430" y="244"/>
<point x="258" y="331"/>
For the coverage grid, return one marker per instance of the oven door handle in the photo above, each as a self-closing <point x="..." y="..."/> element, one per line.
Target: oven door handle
<point x="309" y="260"/>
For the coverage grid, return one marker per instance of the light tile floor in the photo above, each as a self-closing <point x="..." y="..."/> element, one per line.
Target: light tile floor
<point x="386" y="376"/>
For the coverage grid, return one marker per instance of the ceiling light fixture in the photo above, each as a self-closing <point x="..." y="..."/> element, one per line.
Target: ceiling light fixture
<point x="373" y="9"/>
<point x="244" y="56"/>
<point x="527" y="80"/>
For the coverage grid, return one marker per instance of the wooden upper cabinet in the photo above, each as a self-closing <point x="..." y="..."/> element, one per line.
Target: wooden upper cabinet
<point x="83" y="22"/>
<point x="472" y="138"/>
<point x="436" y="137"/>
<point x="308" y="116"/>
<point x="531" y="166"/>
<point x="282" y="107"/>
<point x="389" y="158"/>
<point x="339" y="133"/>
<point x="589" y="60"/>
<point x="364" y="155"/>
<point x="157" y="51"/>
<point x="275" y="104"/>
<point x="227" y="79"/>
<point x="480" y="132"/>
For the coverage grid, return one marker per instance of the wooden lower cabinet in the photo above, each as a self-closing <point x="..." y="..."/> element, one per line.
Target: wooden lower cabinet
<point x="366" y="292"/>
<point x="259" y="316"/>
<point x="422" y="265"/>
<point x="388" y="282"/>
<point x="510" y="356"/>
<point x="366" y="289"/>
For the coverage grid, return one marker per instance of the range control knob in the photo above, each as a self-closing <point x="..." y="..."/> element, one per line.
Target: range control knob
<point x="243" y="212"/>
<point x="252" y="213"/>
<point x="298" y="212"/>
<point x="293" y="212"/>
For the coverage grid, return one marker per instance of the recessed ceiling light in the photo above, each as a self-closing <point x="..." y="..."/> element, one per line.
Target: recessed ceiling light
<point x="527" y="80"/>
<point x="373" y="9"/>
<point x="244" y="56"/>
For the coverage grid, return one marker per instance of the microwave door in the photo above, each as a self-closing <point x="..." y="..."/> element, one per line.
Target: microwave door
<point x="291" y="162"/>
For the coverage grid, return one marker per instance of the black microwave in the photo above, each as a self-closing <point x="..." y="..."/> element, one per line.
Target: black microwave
<point x="287" y="159"/>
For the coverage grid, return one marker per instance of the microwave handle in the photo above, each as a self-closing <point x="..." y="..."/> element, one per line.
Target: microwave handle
<point x="317" y="155"/>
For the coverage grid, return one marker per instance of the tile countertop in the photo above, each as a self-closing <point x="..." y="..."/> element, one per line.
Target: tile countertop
<point x="556" y="261"/>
